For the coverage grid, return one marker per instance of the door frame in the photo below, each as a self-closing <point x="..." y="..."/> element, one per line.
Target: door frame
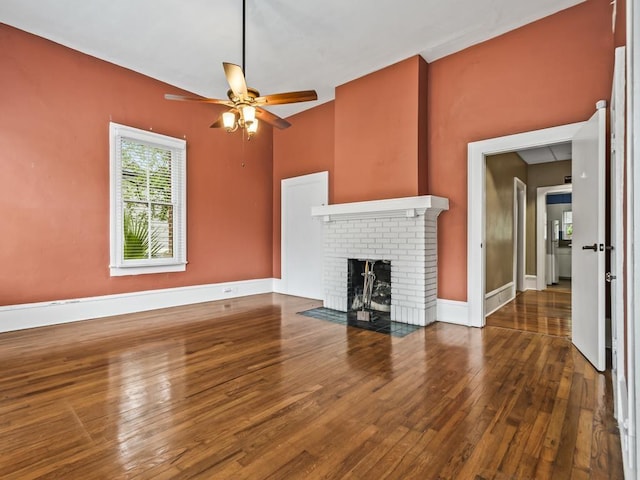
<point x="541" y="226"/>
<point x="617" y="181"/>
<point x="476" y="172"/>
<point x="631" y="456"/>
<point x="519" y="234"/>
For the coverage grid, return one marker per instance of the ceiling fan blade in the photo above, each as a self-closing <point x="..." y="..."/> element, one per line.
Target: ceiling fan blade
<point x="182" y="98"/>
<point x="217" y="124"/>
<point x="288" y="97"/>
<point x="272" y="119"/>
<point x="236" y="80"/>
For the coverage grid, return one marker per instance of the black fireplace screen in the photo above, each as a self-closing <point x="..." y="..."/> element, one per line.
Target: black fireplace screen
<point x="369" y="285"/>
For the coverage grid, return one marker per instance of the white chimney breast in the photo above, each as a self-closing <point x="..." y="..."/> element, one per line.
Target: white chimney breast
<point x="401" y="230"/>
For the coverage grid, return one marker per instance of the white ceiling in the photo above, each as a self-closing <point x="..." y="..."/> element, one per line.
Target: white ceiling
<point x="291" y="44"/>
<point x="551" y="153"/>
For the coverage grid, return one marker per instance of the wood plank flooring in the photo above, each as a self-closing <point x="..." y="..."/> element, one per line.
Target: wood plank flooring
<point x="547" y="311"/>
<point x="247" y="389"/>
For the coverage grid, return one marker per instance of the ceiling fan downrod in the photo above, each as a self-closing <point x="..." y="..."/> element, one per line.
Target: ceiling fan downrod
<point x="244" y="28"/>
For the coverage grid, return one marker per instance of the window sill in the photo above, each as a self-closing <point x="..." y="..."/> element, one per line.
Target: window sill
<point x="144" y="270"/>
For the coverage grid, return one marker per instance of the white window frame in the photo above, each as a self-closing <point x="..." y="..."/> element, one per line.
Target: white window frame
<point x="118" y="266"/>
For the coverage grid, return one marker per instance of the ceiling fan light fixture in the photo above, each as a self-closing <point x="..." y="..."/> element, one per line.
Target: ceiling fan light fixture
<point x="229" y="120"/>
<point x="252" y="127"/>
<point x="248" y="114"/>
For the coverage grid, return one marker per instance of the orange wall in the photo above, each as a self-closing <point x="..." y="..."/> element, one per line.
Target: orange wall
<point x="544" y="74"/>
<point x="547" y="73"/>
<point x="423" y="131"/>
<point x="376" y="134"/>
<point x="55" y="106"/>
<point x="305" y="147"/>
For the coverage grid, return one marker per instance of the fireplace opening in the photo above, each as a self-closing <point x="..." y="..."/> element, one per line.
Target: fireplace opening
<point x="369" y="289"/>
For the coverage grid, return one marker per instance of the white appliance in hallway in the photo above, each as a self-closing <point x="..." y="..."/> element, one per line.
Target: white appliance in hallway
<point x="552" y="248"/>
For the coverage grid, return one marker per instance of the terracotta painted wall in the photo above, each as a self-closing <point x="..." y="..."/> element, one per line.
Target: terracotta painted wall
<point x="377" y="137"/>
<point x="305" y="147"/>
<point x="55" y="106"/>
<point x="423" y="130"/>
<point x="544" y="74"/>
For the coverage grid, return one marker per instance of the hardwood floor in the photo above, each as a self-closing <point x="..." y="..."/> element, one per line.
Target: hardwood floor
<point x="563" y="285"/>
<point x="547" y="311"/>
<point x="247" y="389"/>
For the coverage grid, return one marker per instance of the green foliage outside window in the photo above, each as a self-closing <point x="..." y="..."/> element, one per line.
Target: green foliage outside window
<point x="147" y="201"/>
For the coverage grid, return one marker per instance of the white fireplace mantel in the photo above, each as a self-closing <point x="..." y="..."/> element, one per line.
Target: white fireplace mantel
<point x="393" y="207"/>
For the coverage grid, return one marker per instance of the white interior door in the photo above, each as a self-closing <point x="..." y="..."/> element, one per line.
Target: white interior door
<point x="302" y="234"/>
<point x="588" y="242"/>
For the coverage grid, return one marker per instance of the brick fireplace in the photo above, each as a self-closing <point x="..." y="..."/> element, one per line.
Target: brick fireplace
<point x="402" y="231"/>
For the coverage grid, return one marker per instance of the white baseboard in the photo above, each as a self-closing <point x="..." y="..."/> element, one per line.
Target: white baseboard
<point x="30" y="315"/>
<point x="499" y="297"/>
<point x="452" y="311"/>
<point x="279" y="286"/>
<point x="530" y="282"/>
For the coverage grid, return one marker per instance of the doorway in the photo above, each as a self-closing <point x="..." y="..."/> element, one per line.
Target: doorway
<point x="517" y="226"/>
<point x="302" y="240"/>
<point x="545" y="310"/>
<point x="559" y="241"/>
<point x="476" y="165"/>
<point x="548" y="267"/>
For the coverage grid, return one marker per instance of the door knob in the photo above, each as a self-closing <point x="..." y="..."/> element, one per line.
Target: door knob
<point x="593" y="247"/>
<point x="609" y="276"/>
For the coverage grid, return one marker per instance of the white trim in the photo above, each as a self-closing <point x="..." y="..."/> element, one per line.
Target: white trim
<point x="30" y="315"/>
<point x="499" y="297"/>
<point x="530" y="282"/>
<point x="392" y="207"/>
<point x="541" y="226"/>
<point x="452" y="311"/>
<point x="616" y="168"/>
<point x="632" y="457"/>
<point x="519" y="233"/>
<point x="279" y="286"/>
<point x="476" y="153"/>
<point x="42" y="314"/>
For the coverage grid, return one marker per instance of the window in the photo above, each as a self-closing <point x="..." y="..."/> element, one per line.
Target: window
<point x="567" y="224"/>
<point x="148" y="202"/>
